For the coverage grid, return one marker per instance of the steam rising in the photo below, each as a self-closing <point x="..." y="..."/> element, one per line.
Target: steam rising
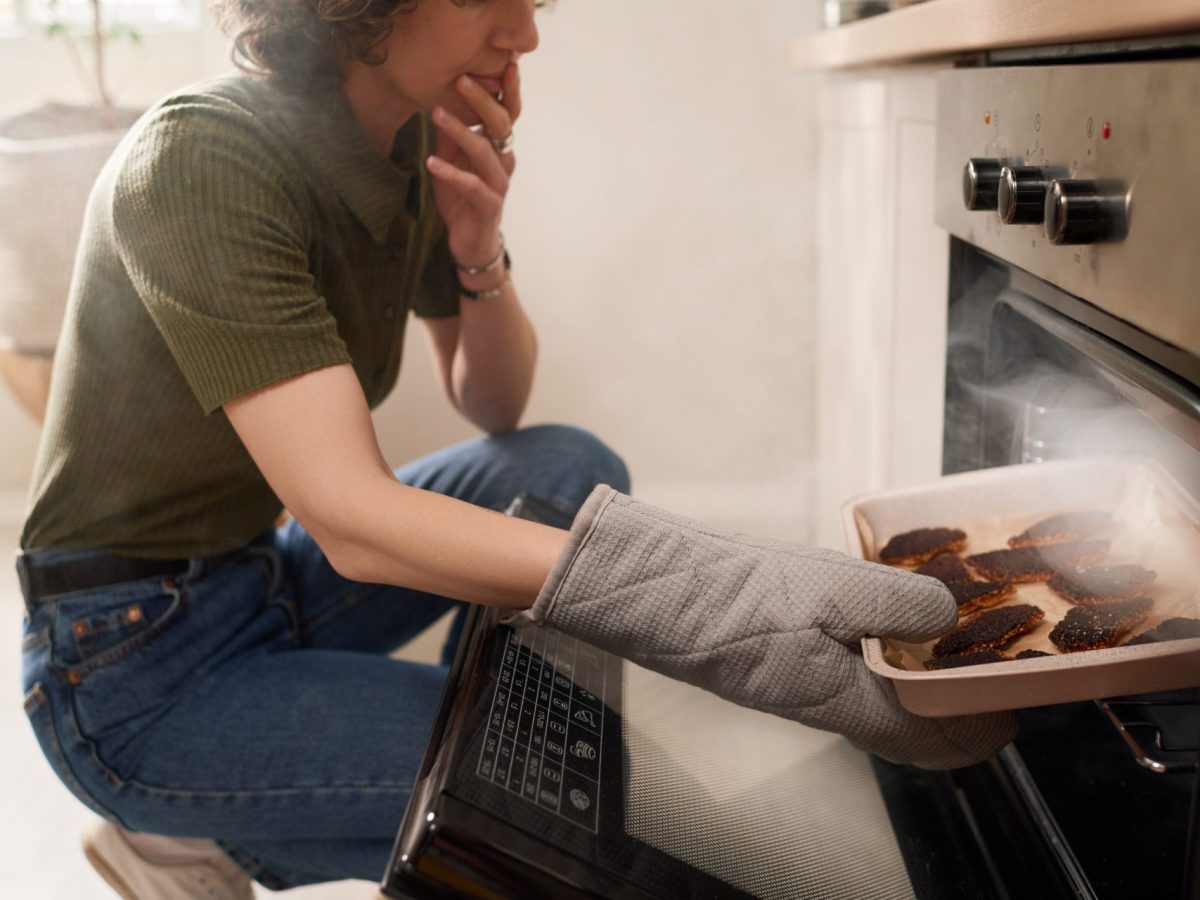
<point x="1028" y="386"/>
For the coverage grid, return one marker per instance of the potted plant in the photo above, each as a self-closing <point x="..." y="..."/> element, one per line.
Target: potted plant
<point x="50" y="154"/>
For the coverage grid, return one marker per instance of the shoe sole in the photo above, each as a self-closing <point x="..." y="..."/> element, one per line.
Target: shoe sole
<point x="114" y="880"/>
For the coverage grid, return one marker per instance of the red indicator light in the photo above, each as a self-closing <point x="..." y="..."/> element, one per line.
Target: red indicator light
<point x="1106" y="131"/>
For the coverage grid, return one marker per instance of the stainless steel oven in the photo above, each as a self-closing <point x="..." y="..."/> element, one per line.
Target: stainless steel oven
<point x="1069" y="182"/>
<point x="1080" y="338"/>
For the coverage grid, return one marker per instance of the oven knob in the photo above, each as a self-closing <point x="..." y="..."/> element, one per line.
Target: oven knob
<point x="1022" y="194"/>
<point x="981" y="180"/>
<point x="1084" y="212"/>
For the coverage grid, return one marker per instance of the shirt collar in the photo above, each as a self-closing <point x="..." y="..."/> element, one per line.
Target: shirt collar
<point x="376" y="190"/>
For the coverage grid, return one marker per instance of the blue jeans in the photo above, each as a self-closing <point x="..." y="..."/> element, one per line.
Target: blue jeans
<point x="253" y="700"/>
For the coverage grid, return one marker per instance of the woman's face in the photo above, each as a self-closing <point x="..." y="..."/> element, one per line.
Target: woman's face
<point x="441" y="40"/>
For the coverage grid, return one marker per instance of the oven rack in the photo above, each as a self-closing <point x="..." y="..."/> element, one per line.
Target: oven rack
<point x="1133" y="719"/>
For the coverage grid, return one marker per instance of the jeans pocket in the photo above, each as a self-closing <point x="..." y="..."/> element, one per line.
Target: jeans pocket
<point x="39" y="711"/>
<point x="103" y="627"/>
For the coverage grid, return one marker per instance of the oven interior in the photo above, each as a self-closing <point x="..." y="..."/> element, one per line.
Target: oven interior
<point x="1095" y="799"/>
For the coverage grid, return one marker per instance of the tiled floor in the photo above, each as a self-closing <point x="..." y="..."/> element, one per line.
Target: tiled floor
<point x="39" y="821"/>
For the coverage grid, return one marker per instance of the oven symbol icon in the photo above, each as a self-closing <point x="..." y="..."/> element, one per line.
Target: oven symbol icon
<point x="586" y="716"/>
<point x="579" y="799"/>
<point x="583" y="750"/>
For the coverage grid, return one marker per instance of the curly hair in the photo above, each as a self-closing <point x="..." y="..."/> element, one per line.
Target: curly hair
<point x="302" y="40"/>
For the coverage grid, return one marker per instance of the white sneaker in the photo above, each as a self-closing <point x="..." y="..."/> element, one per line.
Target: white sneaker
<point x="134" y="877"/>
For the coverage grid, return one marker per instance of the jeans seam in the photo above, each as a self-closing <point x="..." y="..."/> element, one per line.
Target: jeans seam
<point x="386" y="787"/>
<point x="54" y="747"/>
<point x="352" y="598"/>
<point x="254" y="868"/>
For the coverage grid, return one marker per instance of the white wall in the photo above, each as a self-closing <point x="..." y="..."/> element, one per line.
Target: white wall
<point x="661" y="236"/>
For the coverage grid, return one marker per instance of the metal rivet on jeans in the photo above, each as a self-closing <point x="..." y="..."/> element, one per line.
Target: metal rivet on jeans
<point x="74" y="677"/>
<point x="134" y="613"/>
<point x="80" y="629"/>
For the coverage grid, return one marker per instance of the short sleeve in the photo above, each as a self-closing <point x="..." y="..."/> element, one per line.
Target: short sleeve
<point x="211" y="231"/>
<point x="437" y="291"/>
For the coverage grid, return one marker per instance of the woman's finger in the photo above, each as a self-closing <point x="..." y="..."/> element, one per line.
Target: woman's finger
<point x="477" y="147"/>
<point x="485" y="201"/>
<point x="512" y="92"/>
<point x="492" y="113"/>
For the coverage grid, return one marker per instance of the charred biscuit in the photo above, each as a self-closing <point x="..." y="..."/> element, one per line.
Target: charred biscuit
<point x="966" y="659"/>
<point x="976" y="595"/>
<point x="921" y="545"/>
<point x="1087" y="586"/>
<point x="1177" y="628"/>
<point x="1096" y="627"/>
<point x="1061" y="529"/>
<point x="979" y="658"/>
<point x="947" y="568"/>
<point x="989" y="630"/>
<point x="1032" y="654"/>
<point x="1035" y="563"/>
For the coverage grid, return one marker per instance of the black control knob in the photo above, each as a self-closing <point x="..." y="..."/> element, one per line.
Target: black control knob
<point x="981" y="181"/>
<point x="1084" y="212"/>
<point x="1022" y="195"/>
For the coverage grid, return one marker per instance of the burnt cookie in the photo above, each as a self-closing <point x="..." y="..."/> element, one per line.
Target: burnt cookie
<point x="1087" y="586"/>
<point x="1024" y="564"/>
<point x="922" y="545"/>
<point x="990" y="630"/>
<point x="1177" y="628"/>
<point x="979" y="658"/>
<point x="1061" y="529"/>
<point x="948" y="568"/>
<point x="976" y="595"/>
<point x="1097" y="627"/>
<point x="965" y="659"/>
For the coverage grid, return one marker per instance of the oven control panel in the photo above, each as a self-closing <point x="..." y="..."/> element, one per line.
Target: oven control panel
<point x="1084" y="175"/>
<point x="1071" y="210"/>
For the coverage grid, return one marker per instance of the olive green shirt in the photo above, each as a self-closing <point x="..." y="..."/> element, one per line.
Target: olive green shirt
<point x="239" y="235"/>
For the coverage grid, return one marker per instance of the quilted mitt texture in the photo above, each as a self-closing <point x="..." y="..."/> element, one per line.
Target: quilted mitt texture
<point x="766" y="624"/>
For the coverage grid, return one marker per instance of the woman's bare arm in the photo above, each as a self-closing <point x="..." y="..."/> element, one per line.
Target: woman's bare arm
<point x="485" y="359"/>
<point x="312" y="438"/>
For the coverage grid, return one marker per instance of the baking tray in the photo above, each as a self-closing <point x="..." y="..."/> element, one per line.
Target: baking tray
<point x="1156" y="524"/>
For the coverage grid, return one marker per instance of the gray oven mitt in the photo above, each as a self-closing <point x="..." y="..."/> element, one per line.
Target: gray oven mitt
<point x="766" y="624"/>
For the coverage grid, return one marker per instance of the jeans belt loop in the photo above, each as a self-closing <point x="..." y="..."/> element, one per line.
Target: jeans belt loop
<point x="23" y="581"/>
<point x="194" y="570"/>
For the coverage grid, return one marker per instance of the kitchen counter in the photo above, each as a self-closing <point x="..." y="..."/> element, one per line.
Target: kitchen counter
<point x="941" y="29"/>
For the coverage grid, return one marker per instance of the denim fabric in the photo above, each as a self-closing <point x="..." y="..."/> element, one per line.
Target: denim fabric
<point x="252" y="700"/>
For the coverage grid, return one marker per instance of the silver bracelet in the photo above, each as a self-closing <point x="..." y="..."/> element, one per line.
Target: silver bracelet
<point x="479" y="270"/>
<point x="483" y="295"/>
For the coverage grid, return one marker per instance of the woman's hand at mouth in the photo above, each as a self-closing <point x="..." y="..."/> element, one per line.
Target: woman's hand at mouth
<point x="471" y="169"/>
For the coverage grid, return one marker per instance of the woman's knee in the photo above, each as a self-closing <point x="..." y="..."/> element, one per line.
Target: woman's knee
<point x="585" y="453"/>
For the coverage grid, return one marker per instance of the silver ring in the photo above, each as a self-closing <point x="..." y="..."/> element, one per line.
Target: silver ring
<point x="504" y="144"/>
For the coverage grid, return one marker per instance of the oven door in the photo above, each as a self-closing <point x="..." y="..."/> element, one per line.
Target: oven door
<point x="1094" y="799"/>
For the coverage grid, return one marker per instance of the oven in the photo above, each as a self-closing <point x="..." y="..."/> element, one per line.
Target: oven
<point x="1077" y="339"/>
<point x="1068" y="183"/>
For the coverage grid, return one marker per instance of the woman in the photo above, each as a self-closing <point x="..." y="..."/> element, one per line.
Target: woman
<point x="211" y="685"/>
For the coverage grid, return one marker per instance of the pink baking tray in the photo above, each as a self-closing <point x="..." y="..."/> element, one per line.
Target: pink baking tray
<point x="1156" y="524"/>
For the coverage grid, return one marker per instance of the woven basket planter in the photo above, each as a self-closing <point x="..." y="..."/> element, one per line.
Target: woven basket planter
<point x="46" y="173"/>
